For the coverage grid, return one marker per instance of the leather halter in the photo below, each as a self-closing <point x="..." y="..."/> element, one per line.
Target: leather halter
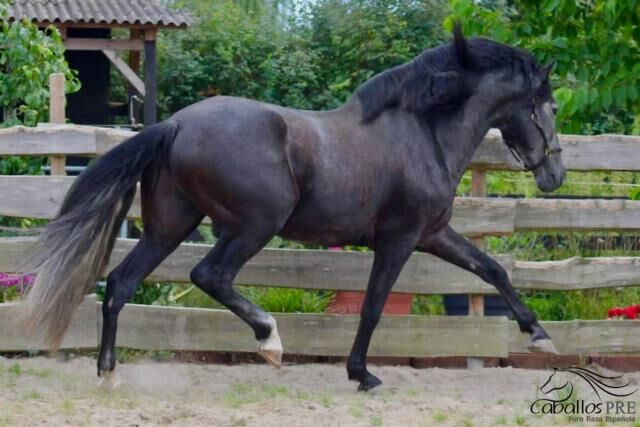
<point x="548" y="150"/>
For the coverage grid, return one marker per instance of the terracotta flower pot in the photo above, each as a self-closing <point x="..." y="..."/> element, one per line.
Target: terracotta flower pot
<point x="350" y="302"/>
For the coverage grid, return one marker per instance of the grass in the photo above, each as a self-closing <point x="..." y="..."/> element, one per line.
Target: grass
<point x="439" y="417"/>
<point x="466" y="422"/>
<point x="279" y="300"/>
<point x="34" y="394"/>
<point x="241" y="393"/>
<point x="130" y="355"/>
<point x="375" y="420"/>
<point x="326" y="399"/>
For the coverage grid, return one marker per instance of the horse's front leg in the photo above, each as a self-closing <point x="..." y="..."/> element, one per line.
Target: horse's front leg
<point x="452" y="247"/>
<point x="390" y="257"/>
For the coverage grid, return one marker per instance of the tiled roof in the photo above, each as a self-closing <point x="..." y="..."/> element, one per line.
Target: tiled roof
<point x="108" y="12"/>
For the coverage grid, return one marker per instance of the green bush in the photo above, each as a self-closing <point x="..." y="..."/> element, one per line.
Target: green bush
<point x="285" y="300"/>
<point x="596" y="46"/>
<point x="311" y="59"/>
<point x="29" y="55"/>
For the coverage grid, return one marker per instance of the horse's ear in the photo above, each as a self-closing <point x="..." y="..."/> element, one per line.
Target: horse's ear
<point x="460" y="43"/>
<point x="426" y="92"/>
<point x="545" y="71"/>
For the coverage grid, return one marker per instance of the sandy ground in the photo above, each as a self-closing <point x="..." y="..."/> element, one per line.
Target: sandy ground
<point x="43" y="391"/>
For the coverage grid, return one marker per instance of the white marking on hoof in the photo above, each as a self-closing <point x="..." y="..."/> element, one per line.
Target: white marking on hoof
<point x="270" y="348"/>
<point x="109" y="380"/>
<point x="542" y="346"/>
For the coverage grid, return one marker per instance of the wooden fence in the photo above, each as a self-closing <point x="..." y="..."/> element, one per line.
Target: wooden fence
<point x="174" y="328"/>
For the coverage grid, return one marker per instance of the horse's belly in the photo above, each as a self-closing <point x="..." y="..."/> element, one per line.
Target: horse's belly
<point x="327" y="227"/>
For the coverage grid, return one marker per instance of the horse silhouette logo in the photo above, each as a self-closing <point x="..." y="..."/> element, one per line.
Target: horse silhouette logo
<point x="562" y="396"/>
<point x="561" y="383"/>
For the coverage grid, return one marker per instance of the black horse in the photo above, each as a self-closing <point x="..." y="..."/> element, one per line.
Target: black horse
<point x="380" y="171"/>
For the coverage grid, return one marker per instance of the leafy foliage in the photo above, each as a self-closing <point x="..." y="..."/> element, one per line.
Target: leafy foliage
<point x="596" y="47"/>
<point x="29" y="57"/>
<point x="314" y="60"/>
<point x="285" y="300"/>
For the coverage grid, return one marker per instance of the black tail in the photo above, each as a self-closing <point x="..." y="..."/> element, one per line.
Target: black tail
<point x="75" y="247"/>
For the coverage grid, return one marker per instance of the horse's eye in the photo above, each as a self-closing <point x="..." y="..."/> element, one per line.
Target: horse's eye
<point x="554" y="108"/>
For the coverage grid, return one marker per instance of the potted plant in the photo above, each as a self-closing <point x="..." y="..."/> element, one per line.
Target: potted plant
<point x="350" y="302"/>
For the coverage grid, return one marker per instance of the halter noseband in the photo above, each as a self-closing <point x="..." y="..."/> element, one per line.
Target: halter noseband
<point x="548" y="150"/>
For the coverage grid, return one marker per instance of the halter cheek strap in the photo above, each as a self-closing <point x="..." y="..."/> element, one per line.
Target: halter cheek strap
<point x="548" y="150"/>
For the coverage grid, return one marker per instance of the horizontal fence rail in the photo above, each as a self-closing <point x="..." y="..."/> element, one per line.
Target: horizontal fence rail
<point x="580" y="152"/>
<point x="196" y="329"/>
<point x="61" y="140"/>
<point x="335" y="270"/>
<point x="41" y="197"/>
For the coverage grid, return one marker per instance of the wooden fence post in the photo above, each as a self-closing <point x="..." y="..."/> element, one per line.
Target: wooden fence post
<point x="476" y="301"/>
<point x="57" y="103"/>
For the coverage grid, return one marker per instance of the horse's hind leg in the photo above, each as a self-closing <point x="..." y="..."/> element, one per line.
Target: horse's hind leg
<point x="215" y="275"/>
<point x="168" y="219"/>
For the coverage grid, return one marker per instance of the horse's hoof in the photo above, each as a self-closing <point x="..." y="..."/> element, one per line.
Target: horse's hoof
<point x="370" y="382"/>
<point x="544" y="345"/>
<point x="270" y="348"/>
<point x="109" y="380"/>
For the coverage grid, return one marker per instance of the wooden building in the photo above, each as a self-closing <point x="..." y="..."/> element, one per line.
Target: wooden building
<point x="87" y="28"/>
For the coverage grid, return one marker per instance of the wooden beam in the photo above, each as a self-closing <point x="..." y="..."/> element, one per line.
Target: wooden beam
<point x="65" y="140"/>
<point x="57" y="105"/>
<point x="480" y="216"/>
<point x="126" y="71"/>
<point x="309" y="269"/>
<point x="134" y="58"/>
<point x="103" y="44"/>
<point x="150" y="78"/>
<point x="82" y="333"/>
<point x="476" y="301"/>
<point x="614" y="152"/>
<point x="567" y="214"/>
<point x="30" y="196"/>
<point x="577" y="273"/>
<point x="583" y="336"/>
<point x="580" y="153"/>
<point x="423" y="274"/>
<point x="173" y="328"/>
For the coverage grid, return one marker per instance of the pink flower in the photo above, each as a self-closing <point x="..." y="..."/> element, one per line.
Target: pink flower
<point x="7" y="280"/>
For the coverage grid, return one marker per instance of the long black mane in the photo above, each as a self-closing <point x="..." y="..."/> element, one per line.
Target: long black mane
<point x="434" y="79"/>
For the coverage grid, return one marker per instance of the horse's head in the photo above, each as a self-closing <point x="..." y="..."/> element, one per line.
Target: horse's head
<point x="516" y="89"/>
<point x="555" y="382"/>
<point x="527" y="124"/>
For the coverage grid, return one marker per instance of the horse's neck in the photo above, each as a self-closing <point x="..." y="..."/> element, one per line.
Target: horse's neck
<point x="461" y="135"/>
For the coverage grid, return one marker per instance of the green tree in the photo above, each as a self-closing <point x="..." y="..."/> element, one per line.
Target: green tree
<point x="27" y="58"/>
<point x="357" y="39"/>
<point x="314" y="57"/>
<point x="596" y="44"/>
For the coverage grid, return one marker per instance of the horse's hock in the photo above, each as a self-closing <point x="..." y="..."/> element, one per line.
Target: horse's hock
<point x="172" y="328"/>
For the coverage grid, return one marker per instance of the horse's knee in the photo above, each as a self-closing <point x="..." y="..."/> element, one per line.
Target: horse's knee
<point x="213" y="281"/>
<point x="497" y="275"/>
